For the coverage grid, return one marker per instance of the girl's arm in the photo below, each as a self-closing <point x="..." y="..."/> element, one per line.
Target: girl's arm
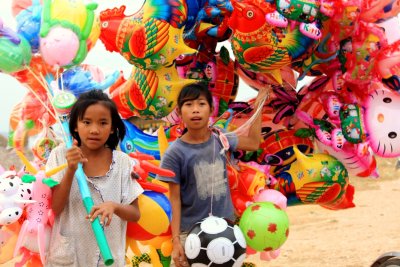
<point x="251" y="142"/>
<point x="130" y="213"/>
<point x="60" y="192"/>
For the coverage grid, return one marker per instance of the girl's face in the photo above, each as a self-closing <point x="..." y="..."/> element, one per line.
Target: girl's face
<point x="95" y="127"/>
<point x="196" y="113"/>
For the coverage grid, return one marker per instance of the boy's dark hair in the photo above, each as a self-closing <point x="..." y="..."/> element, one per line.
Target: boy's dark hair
<point x="193" y="91"/>
<point x="90" y="98"/>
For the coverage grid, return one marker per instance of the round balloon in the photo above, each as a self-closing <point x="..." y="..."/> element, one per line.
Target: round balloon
<point x="265" y="226"/>
<point x="15" y="51"/>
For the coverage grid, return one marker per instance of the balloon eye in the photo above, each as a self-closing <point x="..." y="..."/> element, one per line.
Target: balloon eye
<point x="104" y="24"/>
<point x="250" y="14"/>
<point x="387" y="100"/>
<point x="392" y="135"/>
<point x="128" y="146"/>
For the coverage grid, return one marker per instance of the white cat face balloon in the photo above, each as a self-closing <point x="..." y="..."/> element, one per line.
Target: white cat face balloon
<point x="382" y="122"/>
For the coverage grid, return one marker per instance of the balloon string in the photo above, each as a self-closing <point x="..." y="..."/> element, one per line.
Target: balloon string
<point x="212" y="177"/>
<point x="38" y="97"/>
<point x="242" y="128"/>
<point x="43" y="82"/>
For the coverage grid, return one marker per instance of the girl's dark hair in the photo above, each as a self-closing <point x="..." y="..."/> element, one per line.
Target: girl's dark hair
<point x="193" y="91"/>
<point x="90" y="98"/>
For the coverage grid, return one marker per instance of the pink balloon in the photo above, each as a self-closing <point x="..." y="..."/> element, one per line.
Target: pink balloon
<point x="270" y="255"/>
<point x="273" y="196"/>
<point x="59" y="47"/>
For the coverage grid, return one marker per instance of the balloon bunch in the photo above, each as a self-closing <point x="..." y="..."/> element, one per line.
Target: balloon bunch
<point x="313" y="138"/>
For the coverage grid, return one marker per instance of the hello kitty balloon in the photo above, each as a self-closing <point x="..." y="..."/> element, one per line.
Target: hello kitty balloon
<point x="381" y="122"/>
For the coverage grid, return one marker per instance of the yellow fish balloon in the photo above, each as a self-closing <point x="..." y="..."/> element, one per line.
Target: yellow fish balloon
<point x="316" y="179"/>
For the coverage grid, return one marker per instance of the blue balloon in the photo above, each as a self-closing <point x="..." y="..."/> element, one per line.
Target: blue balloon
<point x="77" y="80"/>
<point x="28" y="24"/>
<point x="136" y="140"/>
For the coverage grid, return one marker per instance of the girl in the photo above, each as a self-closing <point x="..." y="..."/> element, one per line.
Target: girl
<point x="200" y="185"/>
<point x="97" y="128"/>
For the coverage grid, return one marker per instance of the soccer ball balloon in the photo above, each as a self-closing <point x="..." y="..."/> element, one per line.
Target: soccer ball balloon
<point x="265" y="226"/>
<point x="215" y="242"/>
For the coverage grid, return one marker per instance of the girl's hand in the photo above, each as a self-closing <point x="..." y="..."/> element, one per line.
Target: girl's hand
<point x="74" y="156"/>
<point x="104" y="210"/>
<point x="178" y="254"/>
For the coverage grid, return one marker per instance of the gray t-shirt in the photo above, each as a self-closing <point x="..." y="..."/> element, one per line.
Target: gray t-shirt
<point x="200" y="170"/>
<point x="72" y="240"/>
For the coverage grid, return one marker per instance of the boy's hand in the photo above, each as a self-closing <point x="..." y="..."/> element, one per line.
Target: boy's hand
<point x="105" y="211"/>
<point x="263" y="94"/>
<point x="74" y="156"/>
<point x="178" y="254"/>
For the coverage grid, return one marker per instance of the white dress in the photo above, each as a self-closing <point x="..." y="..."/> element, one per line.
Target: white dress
<point x="72" y="241"/>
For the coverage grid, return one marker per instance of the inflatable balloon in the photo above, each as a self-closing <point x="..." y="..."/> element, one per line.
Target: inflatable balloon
<point x="245" y="182"/>
<point x="257" y="80"/>
<point x="259" y="46"/>
<point x="273" y="196"/>
<point x="300" y="10"/>
<point x="381" y="111"/>
<point x="215" y="241"/>
<point x="8" y="239"/>
<point x="317" y="179"/>
<point x="37" y="75"/>
<point x="282" y="144"/>
<point x="14" y="197"/>
<point x="83" y="78"/>
<point x="150" y="38"/>
<point x="65" y="31"/>
<point x="44" y="144"/>
<point x="217" y="71"/>
<point x="20" y="5"/>
<point x="387" y="65"/>
<point x="376" y="11"/>
<point x="154" y="206"/>
<point x="15" y="51"/>
<point x="359" y="159"/>
<point x="34" y="113"/>
<point x="207" y="24"/>
<point x="265" y="226"/>
<point x="360" y="62"/>
<point x="148" y="94"/>
<point x="28" y="24"/>
<point x="35" y="230"/>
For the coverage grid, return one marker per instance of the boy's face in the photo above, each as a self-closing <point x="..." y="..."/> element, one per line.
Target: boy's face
<point x="196" y="113"/>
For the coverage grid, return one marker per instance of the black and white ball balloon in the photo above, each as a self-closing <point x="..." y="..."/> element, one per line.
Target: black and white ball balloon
<point x="215" y="242"/>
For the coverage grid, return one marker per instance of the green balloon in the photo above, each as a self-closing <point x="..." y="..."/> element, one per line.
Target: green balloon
<point x="265" y="226"/>
<point x="14" y="57"/>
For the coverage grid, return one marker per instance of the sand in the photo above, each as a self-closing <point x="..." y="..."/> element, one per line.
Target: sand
<point x="346" y="238"/>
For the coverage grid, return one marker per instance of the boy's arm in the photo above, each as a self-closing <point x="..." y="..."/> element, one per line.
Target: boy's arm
<point x="251" y="142"/>
<point x="178" y="253"/>
<point x="175" y="198"/>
